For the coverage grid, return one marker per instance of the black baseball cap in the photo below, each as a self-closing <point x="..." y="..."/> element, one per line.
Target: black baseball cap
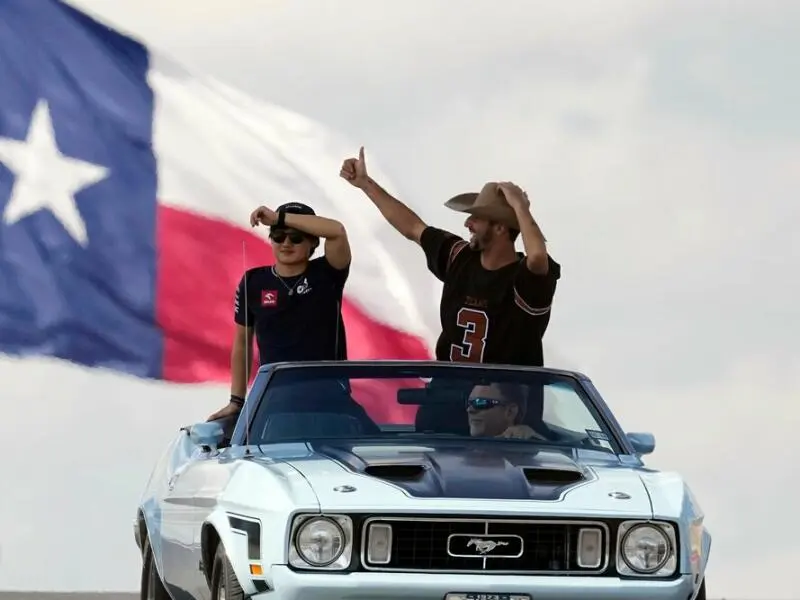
<point x="296" y="208"/>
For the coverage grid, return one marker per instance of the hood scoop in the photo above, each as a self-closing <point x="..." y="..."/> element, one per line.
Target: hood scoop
<point x="396" y="472"/>
<point x="552" y="476"/>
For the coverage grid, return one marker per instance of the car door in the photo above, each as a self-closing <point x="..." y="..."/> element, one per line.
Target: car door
<point x="209" y="477"/>
<point x="179" y="519"/>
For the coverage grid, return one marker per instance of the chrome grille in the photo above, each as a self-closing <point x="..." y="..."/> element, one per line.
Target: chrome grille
<point x="498" y="545"/>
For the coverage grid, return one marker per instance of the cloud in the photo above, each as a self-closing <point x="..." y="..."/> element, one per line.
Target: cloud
<point x="731" y="65"/>
<point x="661" y="147"/>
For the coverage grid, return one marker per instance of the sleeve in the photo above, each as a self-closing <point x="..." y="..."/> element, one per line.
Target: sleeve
<point x="338" y="276"/>
<point x="242" y="316"/>
<point x="534" y="293"/>
<point x="441" y="248"/>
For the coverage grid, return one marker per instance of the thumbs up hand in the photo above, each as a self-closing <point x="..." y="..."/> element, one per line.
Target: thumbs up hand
<point x="354" y="170"/>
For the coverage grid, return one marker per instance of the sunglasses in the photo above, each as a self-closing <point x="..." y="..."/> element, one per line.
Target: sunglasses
<point x="483" y="403"/>
<point x="295" y="237"/>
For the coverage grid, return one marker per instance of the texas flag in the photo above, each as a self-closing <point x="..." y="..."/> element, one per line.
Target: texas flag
<point x="125" y="189"/>
<point x="126" y="184"/>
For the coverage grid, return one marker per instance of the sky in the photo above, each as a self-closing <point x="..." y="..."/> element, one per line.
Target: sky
<point x="659" y="143"/>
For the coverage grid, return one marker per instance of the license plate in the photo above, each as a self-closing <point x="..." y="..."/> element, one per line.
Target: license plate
<point x="482" y="596"/>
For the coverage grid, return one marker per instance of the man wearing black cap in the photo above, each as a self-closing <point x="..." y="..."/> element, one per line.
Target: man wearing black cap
<point x="495" y="305"/>
<point x="293" y="308"/>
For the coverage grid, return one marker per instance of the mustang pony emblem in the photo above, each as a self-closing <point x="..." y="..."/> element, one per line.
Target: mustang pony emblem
<point x="484" y="546"/>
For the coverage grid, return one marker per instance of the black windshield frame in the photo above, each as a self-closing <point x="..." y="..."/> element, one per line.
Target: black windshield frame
<point x="285" y="373"/>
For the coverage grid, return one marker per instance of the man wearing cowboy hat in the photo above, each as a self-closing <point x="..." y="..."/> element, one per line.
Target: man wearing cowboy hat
<point x="495" y="304"/>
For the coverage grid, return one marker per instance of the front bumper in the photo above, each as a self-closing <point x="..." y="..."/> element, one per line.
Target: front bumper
<point x="290" y="585"/>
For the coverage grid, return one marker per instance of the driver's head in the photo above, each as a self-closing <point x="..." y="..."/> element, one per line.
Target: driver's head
<point x="491" y="409"/>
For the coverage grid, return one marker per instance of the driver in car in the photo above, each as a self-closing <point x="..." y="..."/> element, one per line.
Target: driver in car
<point x="496" y="410"/>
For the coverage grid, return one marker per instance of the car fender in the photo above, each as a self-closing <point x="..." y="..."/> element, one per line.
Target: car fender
<point x="241" y="537"/>
<point x="706" y="550"/>
<point x="254" y="512"/>
<point x="673" y="500"/>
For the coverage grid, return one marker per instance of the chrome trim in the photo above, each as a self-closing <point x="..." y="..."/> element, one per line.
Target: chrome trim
<point x="669" y="532"/>
<point x="487" y="522"/>
<point x="491" y="537"/>
<point x="368" y="535"/>
<point x="581" y="533"/>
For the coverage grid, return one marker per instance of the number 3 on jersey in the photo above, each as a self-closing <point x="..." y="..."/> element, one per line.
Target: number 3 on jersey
<point x="475" y="324"/>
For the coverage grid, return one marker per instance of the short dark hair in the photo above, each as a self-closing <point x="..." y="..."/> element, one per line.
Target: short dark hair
<point x="515" y="393"/>
<point x="314" y="244"/>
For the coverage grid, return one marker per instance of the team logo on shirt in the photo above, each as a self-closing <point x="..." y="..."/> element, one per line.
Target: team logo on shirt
<point x="269" y="297"/>
<point x="303" y="288"/>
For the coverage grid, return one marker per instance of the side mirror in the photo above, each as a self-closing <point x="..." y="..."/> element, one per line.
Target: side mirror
<point x="206" y="435"/>
<point x="643" y="443"/>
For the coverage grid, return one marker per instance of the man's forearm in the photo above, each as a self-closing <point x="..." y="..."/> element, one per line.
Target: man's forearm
<point x="240" y="369"/>
<point x="533" y="241"/>
<point x="399" y="216"/>
<point x="315" y="225"/>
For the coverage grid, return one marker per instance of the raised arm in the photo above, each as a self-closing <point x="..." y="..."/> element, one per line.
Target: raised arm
<point x="399" y="216"/>
<point x="537" y="277"/>
<point x="337" y="246"/>
<point x="532" y="238"/>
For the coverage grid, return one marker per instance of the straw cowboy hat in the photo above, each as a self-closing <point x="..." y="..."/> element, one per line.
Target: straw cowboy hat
<point x="489" y="203"/>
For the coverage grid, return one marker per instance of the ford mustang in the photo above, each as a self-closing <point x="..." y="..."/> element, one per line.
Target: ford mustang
<point x="418" y="480"/>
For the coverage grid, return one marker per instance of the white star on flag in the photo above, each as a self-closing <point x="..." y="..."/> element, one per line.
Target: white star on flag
<point x="45" y="179"/>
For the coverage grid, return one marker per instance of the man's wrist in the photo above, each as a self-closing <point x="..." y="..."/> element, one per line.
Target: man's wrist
<point x="370" y="184"/>
<point x="237" y="400"/>
<point x="520" y="208"/>
<point x="281" y="222"/>
<point x="524" y="215"/>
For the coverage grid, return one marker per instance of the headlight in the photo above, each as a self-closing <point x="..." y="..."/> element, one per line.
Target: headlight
<point x="646" y="549"/>
<point x="321" y="542"/>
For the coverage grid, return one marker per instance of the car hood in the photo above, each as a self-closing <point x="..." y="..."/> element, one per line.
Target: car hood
<point x="486" y="478"/>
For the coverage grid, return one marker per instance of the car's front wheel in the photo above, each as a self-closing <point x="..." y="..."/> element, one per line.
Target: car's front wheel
<point x="151" y="587"/>
<point x="224" y="585"/>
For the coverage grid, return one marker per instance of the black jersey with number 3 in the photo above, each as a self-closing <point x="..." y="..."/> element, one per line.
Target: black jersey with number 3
<point x="488" y="316"/>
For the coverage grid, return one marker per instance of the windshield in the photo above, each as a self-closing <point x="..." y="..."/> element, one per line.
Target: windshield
<point x="368" y="401"/>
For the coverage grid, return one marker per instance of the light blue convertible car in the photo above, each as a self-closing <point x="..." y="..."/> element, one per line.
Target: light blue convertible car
<point x="415" y="480"/>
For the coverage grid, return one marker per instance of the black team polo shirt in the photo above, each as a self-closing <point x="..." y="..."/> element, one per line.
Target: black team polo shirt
<point x="295" y="318"/>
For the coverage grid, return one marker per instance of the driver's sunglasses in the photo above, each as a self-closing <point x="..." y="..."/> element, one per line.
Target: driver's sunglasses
<point x="483" y="403"/>
<point x="279" y="236"/>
